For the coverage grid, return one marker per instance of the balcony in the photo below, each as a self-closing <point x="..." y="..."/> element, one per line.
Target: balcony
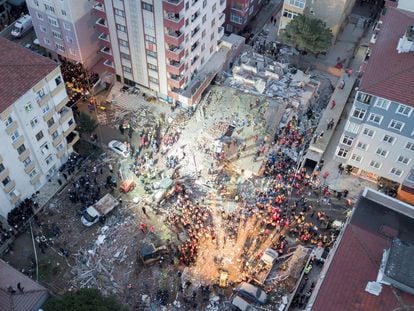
<point x="10" y="186"/>
<point x="57" y="140"/>
<point x="4" y="173"/>
<point x="35" y="179"/>
<point x="72" y="139"/>
<point x="175" y="53"/>
<point x="104" y="37"/>
<point x="58" y="89"/>
<point x="102" y="26"/>
<point x="61" y="153"/>
<point x="53" y="128"/>
<point x="109" y="63"/>
<point x="70" y="129"/>
<point x="174" y="38"/>
<point x="175" y="68"/>
<point x="240" y="8"/>
<point x="106" y="50"/>
<point x="173" y="6"/>
<point x="18" y="142"/>
<point x="195" y="16"/>
<point x="65" y="114"/>
<point x="222" y="18"/>
<point x="99" y="10"/>
<point x="195" y="31"/>
<point x="29" y="167"/>
<point x="11" y="127"/>
<point x="194" y="46"/>
<point x="176" y="81"/>
<point x="62" y="104"/>
<point x="24" y="155"/>
<point x="173" y="21"/>
<point x="48" y="115"/>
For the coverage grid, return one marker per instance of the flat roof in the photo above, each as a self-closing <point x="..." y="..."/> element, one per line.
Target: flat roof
<point x="20" y="70"/>
<point x="358" y="258"/>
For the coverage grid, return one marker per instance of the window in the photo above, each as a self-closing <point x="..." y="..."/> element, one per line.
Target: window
<point x="396" y="172"/>
<point x="352" y="127"/>
<point x="66" y="26"/>
<point x="147" y="7"/>
<point x="403" y="160"/>
<point x="359" y="113"/>
<point x="50" y="122"/>
<point x="36" y="2"/>
<point x="213" y="22"/>
<point x="396" y="125"/>
<point x="404" y="110"/>
<point x="347" y="140"/>
<point x="213" y="9"/>
<point x="368" y="132"/>
<point x="356" y="158"/>
<point x="121" y="28"/>
<point x="33" y="173"/>
<point x="47" y="41"/>
<point x="57" y="34"/>
<point x="52" y="21"/>
<point x="2" y="168"/>
<point x="69" y="39"/>
<point x="70" y="122"/>
<point x="204" y="3"/>
<point x="45" y="108"/>
<point x="39" y="16"/>
<point x="119" y="12"/>
<point x="43" y="28"/>
<point x="39" y="136"/>
<point x="298" y="3"/>
<point x="49" y="159"/>
<point x="125" y="56"/>
<point x="44" y="148"/>
<point x="15" y="135"/>
<point x="152" y="67"/>
<point x="289" y="14"/>
<point x="152" y="54"/>
<point x="27" y="162"/>
<point x="63" y="12"/>
<point x="39" y="95"/>
<point x="375" y="164"/>
<point x="203" y="34"/>
<point x="34" y="122"/>
<point x="364" y="98"/>
<point x="362" y="145"/>
<point x="6" y="181"/>
<point x="123" y="43"/>
<point x="126" y="69"/>
<point x="153" y="80"/>
<point x="376" y="118"/>
<point x="28" y="107"/>
<point x="55" y="134"/>
<point x="409" y="146"/>
<point x="388" y="139"/>
<point x="150" y="38"/>
<point x="58" y="80"/>
<point x="342" y="153"/>
<point x="204" y="19"/>
<point x="382" y="103"/>
<point x="382" y="152"/>
<point x="8" y="121"/>
<point x="60" y="47"/>
<point x="49" y="8"/>
<point x="212" y="36"/>
<point x="234" y="18"/>
<point x="21" y="149"/>
<point x="59" y="147"/>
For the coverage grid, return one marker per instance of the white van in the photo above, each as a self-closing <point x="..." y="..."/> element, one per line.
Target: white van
<point x="21" y="26"/>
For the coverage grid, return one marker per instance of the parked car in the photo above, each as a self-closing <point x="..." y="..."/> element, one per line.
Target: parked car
<point x="119" y="148"/>
<point x="251" y="293"/>
<point x="242" y="304"/>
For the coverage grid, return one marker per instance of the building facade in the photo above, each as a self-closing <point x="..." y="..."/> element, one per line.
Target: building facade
<point x="333" y="13"/>
<point x="36" y="128"/>
<point x="66" y="28"/>
<point x="240" y="12"/>
<point x="378" y="140"/>
<point x="159" y="44"/>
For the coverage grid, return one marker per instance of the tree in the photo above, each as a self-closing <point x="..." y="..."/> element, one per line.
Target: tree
<point x="308" y="34"/>
<point x="86" y="124"/>
<point x="86" y="299"/>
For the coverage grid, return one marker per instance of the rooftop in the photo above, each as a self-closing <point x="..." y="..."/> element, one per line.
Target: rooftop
<point x="357" y="260"/>
<point x="20" y="70"/>
<point x="30" y="298"/>
<point x="389" y="74"/>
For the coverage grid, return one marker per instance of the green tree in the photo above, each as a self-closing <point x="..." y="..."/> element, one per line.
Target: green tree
<point x="308" y="34"/>
<point x="86" y="299"/>
<point x="86" y="124"/>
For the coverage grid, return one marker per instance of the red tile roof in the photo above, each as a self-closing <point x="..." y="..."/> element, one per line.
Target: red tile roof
<point x="20" y="70"/>
<point x="32" y="297"/>
<point x="388" y="74"/>
<point x="357" y="261"/>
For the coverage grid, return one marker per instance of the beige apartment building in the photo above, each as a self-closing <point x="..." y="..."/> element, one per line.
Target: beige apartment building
<point x="36" y="128"/>
<point x="332" y="12"/>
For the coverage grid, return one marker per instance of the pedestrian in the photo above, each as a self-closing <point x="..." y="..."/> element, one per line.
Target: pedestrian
<point x="144" y="211"/>
<point x="346" y="193"/>
<point x="65" y="176"/>
<point x="333" y="104"/>
<point x="110" y="168"/>
<point x="271" y="19"/>
<point x="59" y="182"/>
<point x="321" y="134"/>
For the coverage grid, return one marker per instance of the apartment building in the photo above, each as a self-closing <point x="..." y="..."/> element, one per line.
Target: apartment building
<point x="36" y="128"/>
<point x="333" y="13"/>
<point x="67" y="28"/>
<point x="378" y="140"/>
<point x="240" y="12"/>
<point x="161" y="44"/>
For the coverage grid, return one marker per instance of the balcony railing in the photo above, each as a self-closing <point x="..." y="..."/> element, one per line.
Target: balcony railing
<point x="176" y="81"/>
<point x="104" y="37"/>
<point x="174" y="6"/>
<point x="99" y="7"/>
<point x="174" y="38"/>
<point x="175" y="68"/>
<point x="101" y="22"/>
<point x="175" y="53"/>
<point x="106" y="50"/>
<point x="108" y="63"/>
<point x="173" y="21"/>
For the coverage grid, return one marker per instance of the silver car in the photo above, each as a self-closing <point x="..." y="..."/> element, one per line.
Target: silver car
<point x="251" y="293"/>
<point x="119" y="148"/>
